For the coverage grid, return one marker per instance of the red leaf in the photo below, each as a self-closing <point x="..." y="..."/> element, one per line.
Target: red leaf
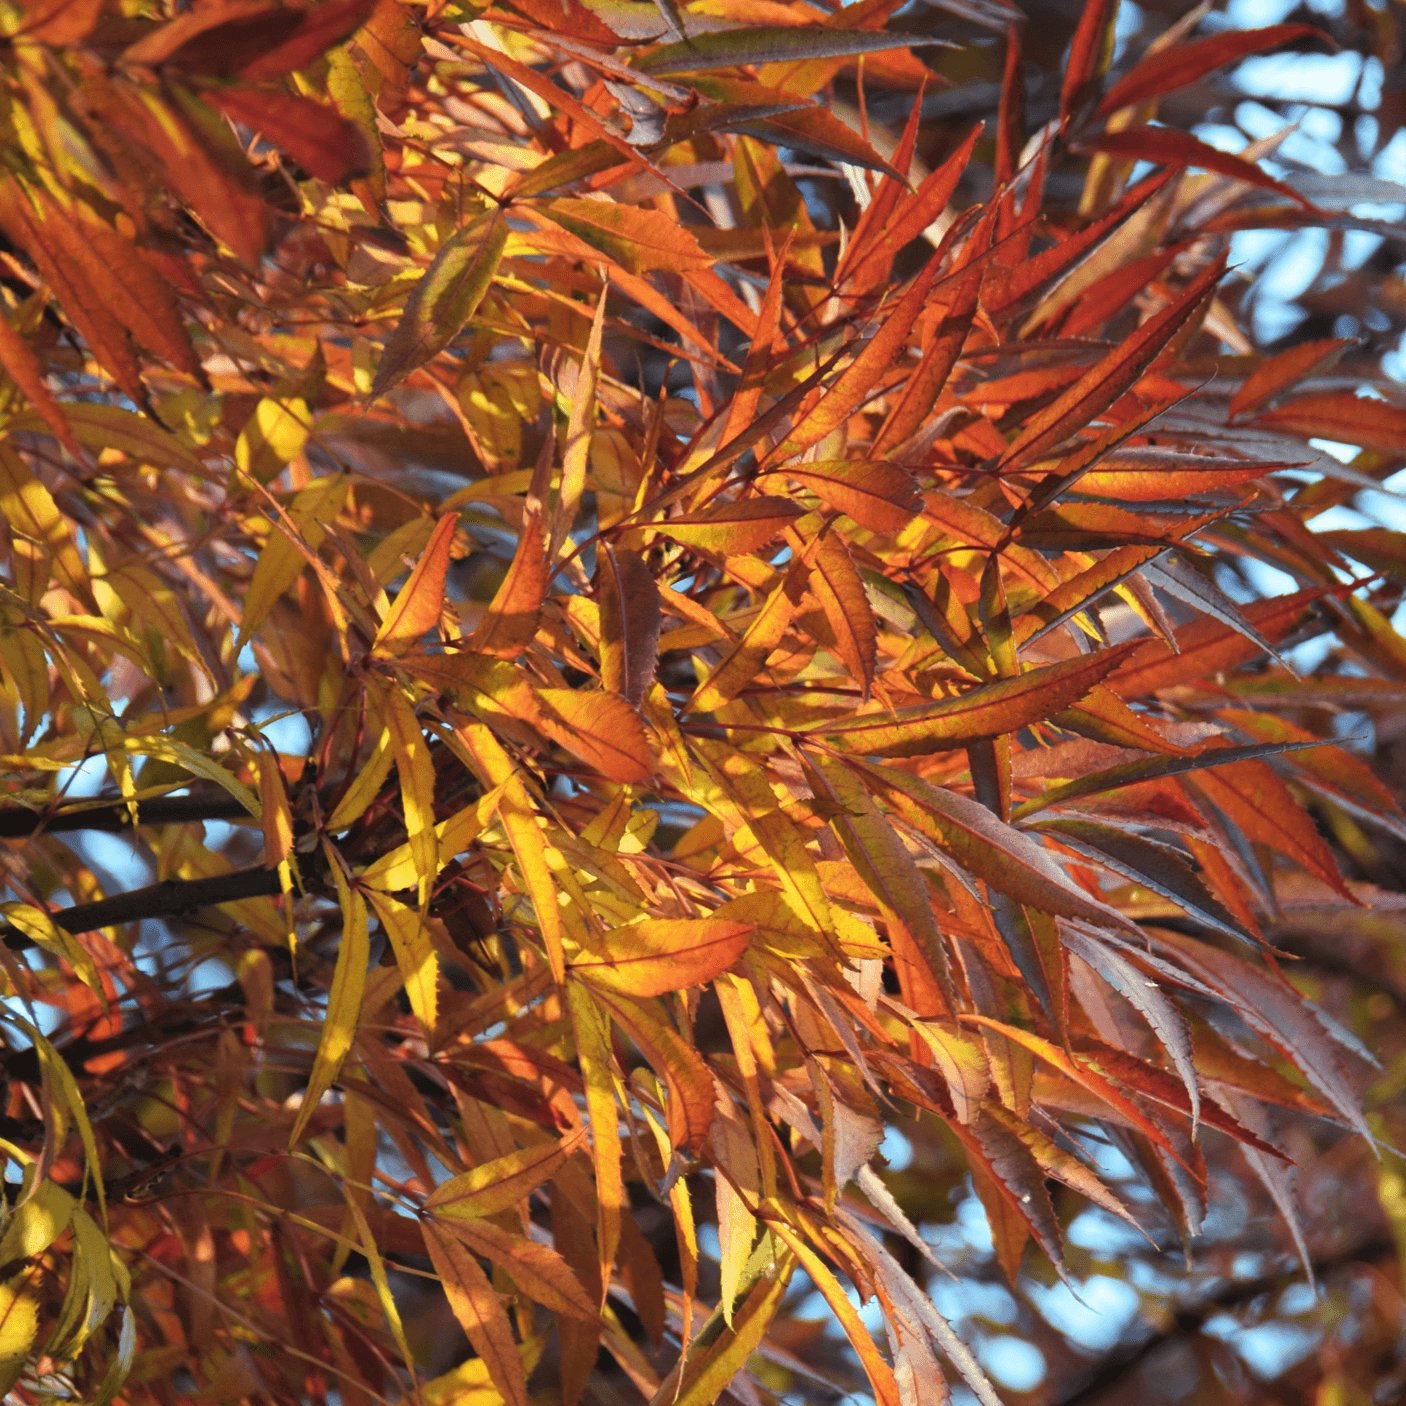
<point x="1182" y="64"/>
<point x="321" y="141"/>
<point x="1164" y="146"/>
<point x="1089" y="53"/>
<point x="1094" y="392"/>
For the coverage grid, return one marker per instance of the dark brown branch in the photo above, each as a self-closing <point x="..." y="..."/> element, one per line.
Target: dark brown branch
<point x="17" y="824"/>
<point x="1192" y="1318"/>
<point x="164" y="900"/>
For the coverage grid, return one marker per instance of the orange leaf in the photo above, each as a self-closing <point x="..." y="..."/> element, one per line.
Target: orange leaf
<point x="988" y="711"/>
<point x="1353" y="419"/>
<point x="836" y="585"/>
<point x="1114" y="374"/>
<point x="1253" y="797"/>
<point x="639" y="240"/>
<point x="878" y="496"/>
<point x="657" y="956"/>
<point x="480" y="1312"/>
<point x="510" y="622"/>
<point x="420" y="600"/>
<point x="600" y="728"/>
<point x="1279" y="372"/>
<point x="1207" y="647"/>
<point x="735" y="529"/>
<point x="1089" y="54"/>
<point x="629" y="623"/>
<point x="692" y="1093"/>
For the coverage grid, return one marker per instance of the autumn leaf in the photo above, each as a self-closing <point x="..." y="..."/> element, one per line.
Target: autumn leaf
<point x="654" y="957"/>
<point x="600" y="728"/>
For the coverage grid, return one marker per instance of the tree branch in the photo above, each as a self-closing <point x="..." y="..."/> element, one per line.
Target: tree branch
<point x="17" y="824"/>
<point x="164" y="900"/>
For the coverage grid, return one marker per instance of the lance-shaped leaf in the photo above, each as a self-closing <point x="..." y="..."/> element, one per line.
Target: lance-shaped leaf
<point x="1207" y="647"/>
<point x="768" y="44"/>
<point x="878" y="496"/>
<point x="420" y="601"/>
<point x="1010" y="861"/>
<point x="1095" y="391"/>
<point x="600" y="728"/>
<point x="987" y="711"/>
<point x="836" y="585"/>
<point x="1270" y="1006"/>
<point x="1081" y="1072"/>
<point x="1090" y="51"/>
<point x="657" y="956"/>
<point x="1283" y="370"/>
<point x="961" y="1062"/>
<point x="343" y="1015"/>
<point x="887" y="869"/>
<point x="1160" y="867"/>
<point x="640" y="241"/>
<point x="1352" y="419"/>
<point x="501" y="1184"/>
<point x="416" y="773"/>
<point x="873" y="359"/>
<point x="816" y="131"/>
<point x="415" y="955"/>
<point x="675" y="1061"/>
<point x="1152" y="768"/>
<point x="739" y="666"/>
<point x="480" y="1312"/>
<point x="316" y="136"/>
<point x="538" y="1270"/>
<point x="629" y="623"/>
<point x="510" y="622"/>
<point x="1255" y="799"/>
<point x="1165" y="146"/>
<point x="735" y="529"/>
<point x="444" y="299"/>
<point x="1182" y="64"/>
<point x="1166" y="1021"/>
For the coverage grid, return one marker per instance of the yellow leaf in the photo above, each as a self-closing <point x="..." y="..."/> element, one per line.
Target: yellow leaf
<point x="657" y="956"/>
<point x="495" y="769"/>
<point x="576" y="455"/>
<point x="35" y="1224"/>
<point x="416" y="772"/>
<point x="343" y="1001"/>
<point x="30" y="510"/>
<point x="273" y="434"/>
<point x="592" y="1035"/>
<point x="421" y="599"/>
<point x="19" y="1326"/>
<point x="414" y="954"/>
<point x="740" y="665"/>
<point x="41" y="929"/>
<point x="281" y="563"/>
<point x="501" y="1184"/>
<point x="469" y="1384"/>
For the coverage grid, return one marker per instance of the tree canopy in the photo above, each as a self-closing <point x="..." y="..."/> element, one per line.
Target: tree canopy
<point x="693" y="708"/>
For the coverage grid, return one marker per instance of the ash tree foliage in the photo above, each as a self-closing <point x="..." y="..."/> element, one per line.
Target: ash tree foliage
<point x="601" y="603"/>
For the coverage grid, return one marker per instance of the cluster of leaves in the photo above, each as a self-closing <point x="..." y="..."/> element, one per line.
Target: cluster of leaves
<point x="759" y="679"/>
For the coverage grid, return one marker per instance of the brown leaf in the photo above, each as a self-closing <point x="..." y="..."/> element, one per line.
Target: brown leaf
<point x="630" y="616"/>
